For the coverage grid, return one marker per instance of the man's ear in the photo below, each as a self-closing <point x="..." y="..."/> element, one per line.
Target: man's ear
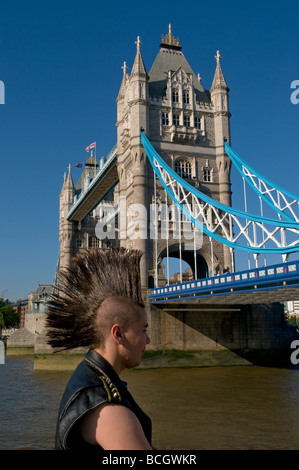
<point x="116" y="333"/>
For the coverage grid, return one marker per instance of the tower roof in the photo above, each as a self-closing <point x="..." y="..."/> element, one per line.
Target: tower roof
<point x="170" y="57"/>
<point x="219" y="80"/>
<point x="138" y="66"/>
<point x="67" y="181"/>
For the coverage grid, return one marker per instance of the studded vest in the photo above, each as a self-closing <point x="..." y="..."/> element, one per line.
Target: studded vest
<point x="93" y="383"/>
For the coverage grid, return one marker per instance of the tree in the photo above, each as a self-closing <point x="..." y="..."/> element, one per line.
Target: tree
<point x="9" y="315"/>
<point x="1" y="321"/>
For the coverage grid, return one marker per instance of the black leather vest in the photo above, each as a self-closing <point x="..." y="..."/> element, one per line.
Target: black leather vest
<point x="93" y="383"/>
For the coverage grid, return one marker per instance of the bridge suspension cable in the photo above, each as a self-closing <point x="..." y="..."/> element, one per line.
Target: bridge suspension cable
<point x="279" y="199"/>
<point x="232" y="227"/>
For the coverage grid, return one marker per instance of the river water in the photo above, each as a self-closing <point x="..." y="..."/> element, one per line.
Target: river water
<point x="215" y="408"/>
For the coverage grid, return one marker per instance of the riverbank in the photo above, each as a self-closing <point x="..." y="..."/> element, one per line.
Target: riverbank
<point x="176" y="358"/>
<point x="20" y="351"/>
<point x="165" y="358"/>
<point x="150" y="360"/>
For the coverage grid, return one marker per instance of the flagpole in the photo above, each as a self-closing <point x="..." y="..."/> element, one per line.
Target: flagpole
<point x="91" y="146"/>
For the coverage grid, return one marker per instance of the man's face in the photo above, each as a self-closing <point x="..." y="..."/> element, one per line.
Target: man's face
<point x="135" y="339"/>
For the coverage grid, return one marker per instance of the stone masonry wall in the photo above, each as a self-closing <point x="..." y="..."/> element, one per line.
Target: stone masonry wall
<point x="252" y="327"/>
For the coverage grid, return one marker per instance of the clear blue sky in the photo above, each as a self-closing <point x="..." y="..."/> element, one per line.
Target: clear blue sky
<point x="61" y="66"/>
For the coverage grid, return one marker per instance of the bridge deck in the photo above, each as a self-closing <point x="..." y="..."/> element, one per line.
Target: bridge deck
<point x="276" y="283"/>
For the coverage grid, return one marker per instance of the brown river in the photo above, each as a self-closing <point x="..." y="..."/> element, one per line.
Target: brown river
<point x="214" y="408"/>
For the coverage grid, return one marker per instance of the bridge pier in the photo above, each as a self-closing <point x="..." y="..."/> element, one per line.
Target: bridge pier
<point x="258" y="333"/>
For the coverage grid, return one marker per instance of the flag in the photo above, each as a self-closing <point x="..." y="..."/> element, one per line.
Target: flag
<point x="79" y="165"/>
<point x="91" y="146"/>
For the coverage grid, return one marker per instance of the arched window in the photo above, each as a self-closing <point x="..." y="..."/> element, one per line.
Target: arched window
<point x="186" y="120"/>
<point x="197" y="122"/>
<point x="183" y="168"/>
<point x="175" y="119"/>
<point x="79" y="243"/>
<point x="175" y="95"/>
<point x="93" y="242"/>
<point x="165" y="120"/>
<point x="186" y="97"/>
<point x="207" y="175"/>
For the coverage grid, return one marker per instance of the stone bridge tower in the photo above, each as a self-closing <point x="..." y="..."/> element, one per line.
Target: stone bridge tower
<point x="187" y="125"/>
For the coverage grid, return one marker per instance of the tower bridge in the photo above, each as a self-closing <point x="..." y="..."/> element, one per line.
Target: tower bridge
<point x="172" y="164"/>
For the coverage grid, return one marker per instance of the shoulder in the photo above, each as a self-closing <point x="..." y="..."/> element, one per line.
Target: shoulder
<point x="87" y="389"/>
<point x="114" y="427"/>
<point x="87" y="380"/>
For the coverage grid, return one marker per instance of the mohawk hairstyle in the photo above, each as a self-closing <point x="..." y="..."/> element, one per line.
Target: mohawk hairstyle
<point x="72" y="311"/>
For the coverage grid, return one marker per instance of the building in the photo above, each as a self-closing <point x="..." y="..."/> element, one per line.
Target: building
<point x="37" y="307"/>
<point x="292" y="311"/>
<point x="21" y="307"/>
<point x="34" y="321"/>
<point x="187" y="124"/>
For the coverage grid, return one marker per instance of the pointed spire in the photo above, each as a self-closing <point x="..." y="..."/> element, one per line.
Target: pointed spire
<point x="63" y="185"/>
<point x="123" y="83"/>
<point x="138" y="43"/>
<point x="125" y="76"/>
<point x="219" y="80"/>
<point x="125" y="68"/>
<point x="138" y="66"/>
<point x="69" y="180"/>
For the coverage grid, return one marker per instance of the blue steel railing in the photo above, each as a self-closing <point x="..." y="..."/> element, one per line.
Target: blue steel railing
<point x="269" y="277"/>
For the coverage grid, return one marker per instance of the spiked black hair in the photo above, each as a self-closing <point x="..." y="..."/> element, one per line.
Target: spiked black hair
<point x="100" y="274"/>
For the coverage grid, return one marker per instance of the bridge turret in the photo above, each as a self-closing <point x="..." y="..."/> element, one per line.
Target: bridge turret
<point x="219" y="97"/>
<point x="132" y="115"/>
<point x="66" y="199"/>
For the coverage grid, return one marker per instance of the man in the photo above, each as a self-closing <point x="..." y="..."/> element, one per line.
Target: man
<point x="98" y="305"/>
